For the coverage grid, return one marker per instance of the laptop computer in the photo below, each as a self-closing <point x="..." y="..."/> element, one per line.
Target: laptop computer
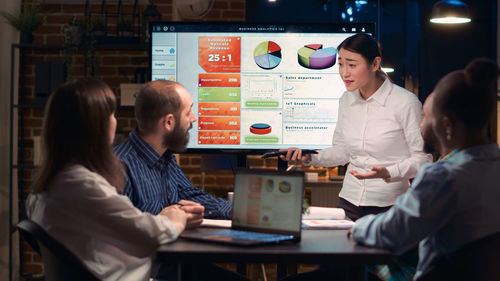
<point x="267" y="208"/>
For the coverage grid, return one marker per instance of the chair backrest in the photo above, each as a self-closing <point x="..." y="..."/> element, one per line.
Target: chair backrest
<point x="60" y="264"/>
<point x="478" y="261"/>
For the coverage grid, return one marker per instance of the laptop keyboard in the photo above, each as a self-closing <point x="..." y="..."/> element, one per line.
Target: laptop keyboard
<point x="248" y="235"/>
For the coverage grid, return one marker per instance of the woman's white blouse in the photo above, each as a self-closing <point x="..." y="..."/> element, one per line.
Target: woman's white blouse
<point x="383" y="130"/>
<point x="113" y="239"/>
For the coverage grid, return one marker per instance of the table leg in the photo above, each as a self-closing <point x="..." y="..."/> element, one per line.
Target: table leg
<point x="292" y="269"/>
<point x="241" y="268"/>
<point x="179" y="272"/>
<point x="357" y="273"/>
<point x="281" y="271"/>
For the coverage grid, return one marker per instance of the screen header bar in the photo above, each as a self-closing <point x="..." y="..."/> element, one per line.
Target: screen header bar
<point x="166" y="27"/>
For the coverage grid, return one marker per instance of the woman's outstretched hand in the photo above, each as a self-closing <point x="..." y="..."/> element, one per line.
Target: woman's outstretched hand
<point x="374" y="173"/>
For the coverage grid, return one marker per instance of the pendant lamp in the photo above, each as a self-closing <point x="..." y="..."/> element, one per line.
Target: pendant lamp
<point x="450" y="12"/>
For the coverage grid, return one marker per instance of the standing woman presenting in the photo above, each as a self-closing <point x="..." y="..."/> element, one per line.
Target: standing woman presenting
<point x="377" y="133"/>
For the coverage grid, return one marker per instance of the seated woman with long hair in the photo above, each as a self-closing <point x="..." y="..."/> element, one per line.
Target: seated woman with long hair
<point x="76" y="195"/>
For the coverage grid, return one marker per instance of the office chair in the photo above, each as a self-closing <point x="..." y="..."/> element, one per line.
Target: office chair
<point x="60" y="264"/>
<point x="478" y="261"/>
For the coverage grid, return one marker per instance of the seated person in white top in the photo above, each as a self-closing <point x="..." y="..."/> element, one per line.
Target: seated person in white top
<point x="377" y="133"/>
<point x="454" y="201"/>
<point x="75" y="198"/>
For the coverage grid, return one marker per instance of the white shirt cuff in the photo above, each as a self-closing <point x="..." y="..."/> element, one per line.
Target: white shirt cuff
<point x="394" y="172"/>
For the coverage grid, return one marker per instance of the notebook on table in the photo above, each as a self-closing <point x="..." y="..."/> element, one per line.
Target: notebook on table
<point x="267" y="208"/>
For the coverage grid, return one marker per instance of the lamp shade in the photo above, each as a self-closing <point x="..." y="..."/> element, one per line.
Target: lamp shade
<point x="450" y="12"/>
<point x="388" y="69"/>
<point x="386" y="64"/>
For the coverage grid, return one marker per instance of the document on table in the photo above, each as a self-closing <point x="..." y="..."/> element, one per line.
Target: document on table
<point x="325" y="218"/>
<point x="324" y="213"/>
<point x="216" y="223"/>
<point x="306" y="224"/>
<point x="327" y="224"/>
<point x="316" y="218"/>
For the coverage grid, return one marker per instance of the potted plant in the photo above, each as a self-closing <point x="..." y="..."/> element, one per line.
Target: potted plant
<point x="125" y="25"/>
<point x="79" y="39"/>
<point x="74" y="30"/>
<point x="26" y="20"/>
<point x="98" y="24"/>
<point x="75" y="33"/>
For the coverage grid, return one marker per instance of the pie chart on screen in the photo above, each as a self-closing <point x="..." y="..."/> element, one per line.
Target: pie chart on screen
<point x="267" y="55"/>
<point x="314" y="56"/>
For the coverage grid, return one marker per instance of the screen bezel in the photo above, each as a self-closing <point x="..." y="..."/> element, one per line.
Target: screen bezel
<point x="263" y="27"/>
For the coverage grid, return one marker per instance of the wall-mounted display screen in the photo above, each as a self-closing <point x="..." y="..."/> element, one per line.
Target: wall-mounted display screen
<point x="255" y="86"/>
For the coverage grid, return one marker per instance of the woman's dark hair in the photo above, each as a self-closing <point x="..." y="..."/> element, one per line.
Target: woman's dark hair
<point x="468" y="96"/>
<point x="363" y="44"/>
<point x="76" y="130"/>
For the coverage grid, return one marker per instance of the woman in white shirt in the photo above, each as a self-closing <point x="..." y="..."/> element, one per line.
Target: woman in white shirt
<point x="377" y="133"/>
<point x="75" y="197"/>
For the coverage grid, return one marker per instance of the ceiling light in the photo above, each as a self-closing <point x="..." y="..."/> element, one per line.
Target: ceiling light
<point x="388" y="69"/>
<point x="450" y="12"/>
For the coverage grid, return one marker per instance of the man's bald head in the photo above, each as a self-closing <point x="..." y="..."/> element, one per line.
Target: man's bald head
<point x="155" y="100"/>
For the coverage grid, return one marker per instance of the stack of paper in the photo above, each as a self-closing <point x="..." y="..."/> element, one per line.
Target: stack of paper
<point x="324" y="213"/>
<point x="327" y="224"/>
<point x="216" y="223"/>
<point x="325" y="218"/>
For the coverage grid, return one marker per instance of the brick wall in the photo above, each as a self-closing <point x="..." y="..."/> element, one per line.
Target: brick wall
<point x="116" y="65"/>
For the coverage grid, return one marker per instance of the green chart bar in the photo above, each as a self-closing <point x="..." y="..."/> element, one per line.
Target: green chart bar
<point x="219" y="94"/>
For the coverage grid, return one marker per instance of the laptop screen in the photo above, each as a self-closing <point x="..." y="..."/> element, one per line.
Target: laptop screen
<point x="268" y="200"/>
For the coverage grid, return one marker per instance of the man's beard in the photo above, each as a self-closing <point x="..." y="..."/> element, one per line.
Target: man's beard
<point x="177" y="140"/>
<point x="430" y="144"/>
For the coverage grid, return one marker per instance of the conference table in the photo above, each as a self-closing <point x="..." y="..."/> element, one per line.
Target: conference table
<point x="316" y="247"/>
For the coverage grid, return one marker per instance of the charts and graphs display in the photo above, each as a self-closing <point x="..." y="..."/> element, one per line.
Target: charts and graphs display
<point x="313" y="56"/>
<point x="255" y="86"/>
<point x="267" y="55"/>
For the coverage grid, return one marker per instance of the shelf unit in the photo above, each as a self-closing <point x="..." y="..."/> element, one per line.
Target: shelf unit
<point x="19" y="107"/>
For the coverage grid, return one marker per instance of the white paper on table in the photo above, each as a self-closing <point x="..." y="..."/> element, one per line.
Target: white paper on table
<point x="327" y="224"/>
<point x="324" y="213"/>
<point x="216" y="223"/>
